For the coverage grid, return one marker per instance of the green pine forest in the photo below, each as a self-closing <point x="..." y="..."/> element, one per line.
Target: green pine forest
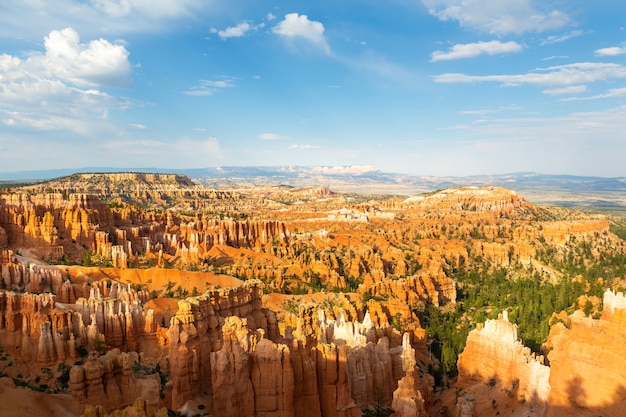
<point x="483" y="292"/>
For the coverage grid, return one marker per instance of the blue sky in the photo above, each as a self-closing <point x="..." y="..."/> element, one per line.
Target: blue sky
<point x="430" y="87"/>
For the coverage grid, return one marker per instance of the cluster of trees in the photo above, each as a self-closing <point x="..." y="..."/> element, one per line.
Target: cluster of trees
<point x="483" y="293"/>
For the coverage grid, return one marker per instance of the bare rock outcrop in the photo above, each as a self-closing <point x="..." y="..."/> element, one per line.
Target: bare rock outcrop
<point x="407" y="398"/>
<point x="233" y="393"/>
<point x="140" y="408"/>
<point x="195" y="333"/>
<point x="587" y="362"/>
<point x="111" y="382"/>
<point x="585" y="376"/>
<point x="494" y="352"/>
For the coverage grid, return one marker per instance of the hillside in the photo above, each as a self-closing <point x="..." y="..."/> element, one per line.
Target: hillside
<point x="122" y="286"/>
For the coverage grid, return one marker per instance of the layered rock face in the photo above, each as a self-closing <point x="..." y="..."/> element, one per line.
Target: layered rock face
<point x="475" y="199"/>
<point x="52" y="225"/>
<point x="195" y="333"/>
<point x="49" y="223"/>
<point x="32" y="324"/>
<point x="408" y="400"/>
<point x="47" y="331"/>
<point x="330" y="359"/>
<point x="33" y="278"/>
<point x="494" y="352"/>
<point x="588" y="362"/>
<point x="354" y="365"/>
<point x="585" y="376"/>
<point x="321" y="367"/>
<point x="110" y="382"/>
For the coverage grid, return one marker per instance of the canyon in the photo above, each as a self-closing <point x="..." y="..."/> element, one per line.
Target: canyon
<point x="145" y="294"/>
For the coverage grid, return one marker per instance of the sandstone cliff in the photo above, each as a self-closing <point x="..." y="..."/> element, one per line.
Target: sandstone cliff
<point x="112" y="381"/>
<point x="585" y="374"/>
<point x="495" y="353"/>
<point x="587" y="362"/>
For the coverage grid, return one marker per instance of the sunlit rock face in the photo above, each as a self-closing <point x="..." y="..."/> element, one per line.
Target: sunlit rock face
<point x="494" y="352"/>
<point x="588" y="362"/>
<point x="586" y="356"/>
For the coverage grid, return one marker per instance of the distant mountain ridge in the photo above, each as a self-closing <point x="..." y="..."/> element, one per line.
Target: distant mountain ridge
<point x="357" y="173"/>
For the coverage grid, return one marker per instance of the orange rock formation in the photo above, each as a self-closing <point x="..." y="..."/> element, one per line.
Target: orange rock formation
<point x="585" y="375"/>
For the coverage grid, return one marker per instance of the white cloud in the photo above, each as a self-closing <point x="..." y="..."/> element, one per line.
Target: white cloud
<point x="561" y="38"/>
<point x="304" y="146"/>
<point x="572" y="89"/>
<point x="497" y="16"/>
<point x="98" y="63"/>
<point x="550" y="58"/>
<point x="563" y="75"/>
<point x="58" y="89"/>
<point x="482" y="112"/>
<point x="208" y="87"/>
<point x="154" y="9"/>
<point x="471" y="50"/>
<point x="613" y="92"/>
<point x="299" y="26"/>
<point x="137" y="126"/>
<point x="234" y="31"/>
<point x="272" y="136"/>
<point x="270" y="16"/>
<point x="611" y="51"/>
<point x="34" y="18"/>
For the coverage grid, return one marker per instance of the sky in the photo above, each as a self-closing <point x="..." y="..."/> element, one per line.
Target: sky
<point x="424" y="87"/>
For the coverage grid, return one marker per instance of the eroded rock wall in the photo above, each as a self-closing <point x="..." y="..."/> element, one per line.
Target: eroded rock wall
<point x="588" y="362"/>
<point x="494" y="352"/>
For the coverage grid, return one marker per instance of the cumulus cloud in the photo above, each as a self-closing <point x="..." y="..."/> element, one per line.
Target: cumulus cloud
<point x="611" y="51"/>
<point x="563" y="75"/>
<point x="471" y="50"/>
<point x="60" y="89"/>
<point x="497" y="16"/>
<point x="98" y="63"/>
<point x="299" y="26"/>
<point x="234" y="31"/>
<point x="272" y="136"/>
<point x="209" y="87"/>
